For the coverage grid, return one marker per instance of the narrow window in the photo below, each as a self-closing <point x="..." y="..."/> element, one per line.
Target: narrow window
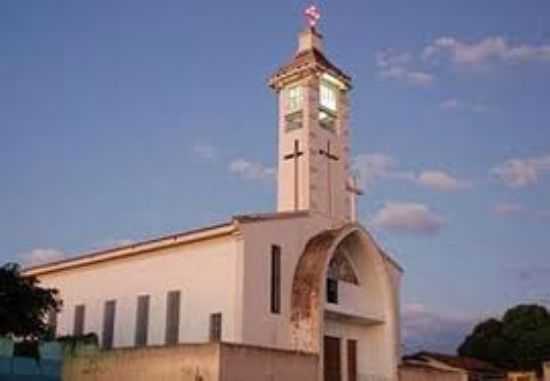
<point x="294" y="121"/>
<point x="109" y="311"/>
<point x="275" y="279"/>
<point x="79" y="317"/>
<point x="294" y="99"/>
<point x="352" y="360"/>
<point x="332" y="290"/>
<point x="327" y="120"/>
<point x="328" y="103"/>
<point x="52" y="321"/>
<point x="328" y="97"/>
<point x="142" y="321"/>
<point x="216" y="327"/>
<point x="293" y="115"/>
<point x="172" y="317"/>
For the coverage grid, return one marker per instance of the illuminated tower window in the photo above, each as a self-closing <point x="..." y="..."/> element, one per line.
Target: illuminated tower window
<point x="328" y="106"/>
<point x="328" y="97"/>
<point x="294" y="99"/>
<point x="293" y="116"/>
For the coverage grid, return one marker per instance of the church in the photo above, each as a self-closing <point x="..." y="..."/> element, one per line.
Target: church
<point x="306" y="278"/>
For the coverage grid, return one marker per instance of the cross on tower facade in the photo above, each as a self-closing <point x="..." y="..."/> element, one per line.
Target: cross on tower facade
<point x="330" y="157"/>
<point x="295" y="156"/>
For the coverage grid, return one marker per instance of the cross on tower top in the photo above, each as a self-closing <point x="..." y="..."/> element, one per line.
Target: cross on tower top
<point x="313" y="15"/>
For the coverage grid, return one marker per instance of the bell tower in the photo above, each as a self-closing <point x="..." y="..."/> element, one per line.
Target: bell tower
<point x="313" y="153"/>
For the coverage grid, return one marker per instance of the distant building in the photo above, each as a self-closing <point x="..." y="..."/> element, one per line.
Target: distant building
<point x="428" y="366"/>
<point x="420" y="372"/>
<point x="522" y="376"/>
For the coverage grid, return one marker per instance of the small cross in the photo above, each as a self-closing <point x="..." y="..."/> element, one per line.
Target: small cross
<point x="354" y="191"/>
<point x="352" y="186"/>
<point x="312" y="15"/>
<point x="330" y="157"/>
<point x="328" y="154"/>
<point x="296" y="156"/>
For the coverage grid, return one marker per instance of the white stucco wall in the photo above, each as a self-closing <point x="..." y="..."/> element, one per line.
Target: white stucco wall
<point x="376" y="298"/>
<point x="205" y="272"/>
<point x="378" y="351"/>
<point x="371" y="360"/>
<point x="232" y="275"/>
<point x="260" y="326"/>
<point x="354" y="301"/>
<point x="394" y="313"/>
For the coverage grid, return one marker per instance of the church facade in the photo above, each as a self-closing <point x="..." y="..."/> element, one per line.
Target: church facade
<point x="305" y="278"/>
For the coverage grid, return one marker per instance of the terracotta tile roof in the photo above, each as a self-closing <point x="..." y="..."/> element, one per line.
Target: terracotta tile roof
<point x="424" y="367"/>
<point x="310" y="59"/>
<point x="466" y="363"/>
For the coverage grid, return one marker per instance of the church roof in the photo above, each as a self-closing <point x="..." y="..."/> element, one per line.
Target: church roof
<point x="132" y="249"/>
<point x="244" y="218"/>
<point x="189" y="236"/>
<point x="390" y="259"/>
<point x="468" y="364"/>
<point x="207" y="232"/>
<point x="311" y="59"/>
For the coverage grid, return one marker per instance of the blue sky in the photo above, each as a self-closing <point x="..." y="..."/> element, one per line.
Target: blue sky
<point x="125" y="120"/>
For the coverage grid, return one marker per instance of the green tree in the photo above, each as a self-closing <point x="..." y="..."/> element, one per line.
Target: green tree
<point x="24" y="305"/>
<point x="519" y="341"/>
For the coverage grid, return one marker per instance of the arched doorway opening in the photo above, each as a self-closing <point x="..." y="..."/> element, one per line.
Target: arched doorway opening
<point x="343" y="306"/>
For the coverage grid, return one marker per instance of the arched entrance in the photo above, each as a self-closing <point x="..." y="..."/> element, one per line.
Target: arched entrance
<point x="363" y="316"/>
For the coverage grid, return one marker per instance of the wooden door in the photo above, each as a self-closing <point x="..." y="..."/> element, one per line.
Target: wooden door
<point x="352" y="360"/>
<point x="332" y="362"/>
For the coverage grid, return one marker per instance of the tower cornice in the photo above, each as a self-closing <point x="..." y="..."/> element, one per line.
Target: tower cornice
<point x="304" y="64"/>
<point x="309" y="60"/>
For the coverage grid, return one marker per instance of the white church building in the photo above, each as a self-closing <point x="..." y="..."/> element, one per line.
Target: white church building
<point x="305" y="278"/>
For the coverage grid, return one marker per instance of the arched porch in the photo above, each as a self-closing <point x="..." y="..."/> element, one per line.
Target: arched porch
<point x="355" y="331"/>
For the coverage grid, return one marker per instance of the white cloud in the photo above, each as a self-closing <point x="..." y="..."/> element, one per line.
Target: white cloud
<point x="205" y="151"/>
<point x="419" y="78"/>
<point x="408" y="217"/>
<point x="518" y="173"/>
<point x="389" y="58"/>
<point x="454" y="104"/>
<point x="424" y="329"/>
<point x="379" y="166"/>
<point x="113" y="243"/>
<point x="508" y="209"/>
<point x="123" y="242"/>
<point x="41" y="256"/>
<point x="479" y="107"/>
<point x="375" y="166"/>
<point x="441" y="181"/>
<point x="451" y="104"/>
<point x="396" y="66"/>
<point x="490" y="49"/>
<point x="251" y="170"/>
